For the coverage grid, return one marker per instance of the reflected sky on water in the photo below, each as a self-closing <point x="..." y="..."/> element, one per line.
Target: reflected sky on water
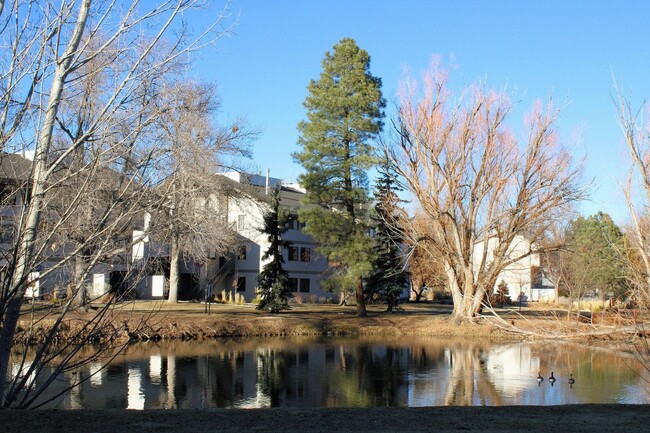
<point x="336" y="372"/>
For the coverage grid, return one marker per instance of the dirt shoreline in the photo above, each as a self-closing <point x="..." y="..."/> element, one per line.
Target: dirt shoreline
<point x="142" y="321"/>
<point x="571" y="418"/>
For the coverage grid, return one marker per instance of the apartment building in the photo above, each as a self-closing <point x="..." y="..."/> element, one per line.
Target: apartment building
<point x="234" y="275"/>
<point x="245" y="214"/>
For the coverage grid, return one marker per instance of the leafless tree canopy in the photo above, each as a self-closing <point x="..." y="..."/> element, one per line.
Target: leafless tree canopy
<point x="475" y="180"/>
<point x="193" y="219"/>
<point x="80" y="91"/>
<point x="635" y="125"/>
<point x="424" y="262"/>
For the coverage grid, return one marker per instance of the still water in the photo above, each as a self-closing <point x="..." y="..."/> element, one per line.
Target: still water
<point x="335" y="372"/>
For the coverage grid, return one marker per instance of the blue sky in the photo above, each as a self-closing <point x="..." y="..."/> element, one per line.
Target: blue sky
<point x="567" y="50"/>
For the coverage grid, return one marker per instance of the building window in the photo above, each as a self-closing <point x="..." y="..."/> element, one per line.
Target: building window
<point x="305" y="254"/>
<point x="293" y="254"/>
<point x="536" y="276"/>
<point x="302" y="225"/>
<point x="242" y="254"/>
<point x="241" y="284"/>
<point x="304" y="285"/>
<point x="241" y="222"/>
<point x="292" y="284"/>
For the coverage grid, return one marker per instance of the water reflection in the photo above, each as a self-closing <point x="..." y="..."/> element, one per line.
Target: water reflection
<point x="352" y="373"/>
<point x="134" y="392"/>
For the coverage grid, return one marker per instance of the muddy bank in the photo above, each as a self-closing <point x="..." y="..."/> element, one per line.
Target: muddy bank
<point x="574" y="418"/>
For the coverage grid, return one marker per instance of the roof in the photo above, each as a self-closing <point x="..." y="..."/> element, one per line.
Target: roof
<point x="290" y="195"/>
<point x="14" y="167"/>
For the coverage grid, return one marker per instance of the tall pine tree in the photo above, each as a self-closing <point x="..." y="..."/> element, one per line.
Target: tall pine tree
<point x="344" y="114"/>
<point x="272" y="281"/>
<point x="389" y="277"/>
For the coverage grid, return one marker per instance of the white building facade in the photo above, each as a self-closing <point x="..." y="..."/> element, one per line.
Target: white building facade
<point x="525" y="276"/>
<point x="233" y="277"/>
<point x="303" y="264"/>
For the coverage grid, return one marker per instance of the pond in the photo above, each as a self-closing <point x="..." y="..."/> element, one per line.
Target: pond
<point x="346" y="372"/>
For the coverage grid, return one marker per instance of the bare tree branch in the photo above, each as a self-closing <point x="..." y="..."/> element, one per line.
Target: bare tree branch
<point x="479" y="186"/>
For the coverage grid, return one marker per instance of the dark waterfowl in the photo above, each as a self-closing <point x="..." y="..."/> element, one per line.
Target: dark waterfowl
<point x="540" y="379"/>
<point x="551" y="379"/>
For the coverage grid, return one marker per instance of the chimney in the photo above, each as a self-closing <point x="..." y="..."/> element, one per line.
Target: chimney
<point x="268" y="173"/>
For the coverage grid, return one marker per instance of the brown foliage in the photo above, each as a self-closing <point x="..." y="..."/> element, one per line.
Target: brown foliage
<point x="476" y="181"/>
<point x="425" y="264"/>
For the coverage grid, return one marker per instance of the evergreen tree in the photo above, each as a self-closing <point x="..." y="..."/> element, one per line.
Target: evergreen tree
<point x="389" y="278"/>
<point x="272" y="281"/>
<point x="596" y="258"/>
<point x="344" y="113"/>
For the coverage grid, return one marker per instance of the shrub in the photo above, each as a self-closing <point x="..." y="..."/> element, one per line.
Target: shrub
<point x="441" y="296"/>
<point x="297" y="299"/>
<point x="502" y="295"/>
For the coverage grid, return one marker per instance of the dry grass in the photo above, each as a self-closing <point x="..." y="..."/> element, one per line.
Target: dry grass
<point x="153" y="320"/>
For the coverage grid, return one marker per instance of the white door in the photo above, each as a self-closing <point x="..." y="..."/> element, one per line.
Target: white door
<point x="157" y="284"/>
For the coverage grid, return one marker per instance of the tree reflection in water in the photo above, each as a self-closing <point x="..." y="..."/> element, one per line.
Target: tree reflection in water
<point x="469" y="381"/>
<point x="352" y="373"/>
<point x="273" y="374"/>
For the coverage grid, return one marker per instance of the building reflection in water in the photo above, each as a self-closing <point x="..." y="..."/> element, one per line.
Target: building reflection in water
<point x="155" y="369"/>
<point x="95" y="371"/>
<point x="134" y="391"/>
<point x="353" y="373"/>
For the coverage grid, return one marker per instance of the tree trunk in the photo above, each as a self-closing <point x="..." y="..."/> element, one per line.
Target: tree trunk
<point x="174" y="270"/>
<point x="467" y="294"/>
<point x="361" y="299"/>
<point x="466" y="304"/>
<point x="80" y="283"/>
<point x="170" y="401"/>
<point x="28" y="235"/>
<point x="416" y="290"/>
<point x="343" y="299"/>
<point x="465" y="310"/>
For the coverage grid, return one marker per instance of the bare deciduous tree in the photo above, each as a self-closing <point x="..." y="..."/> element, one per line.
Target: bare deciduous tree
<point x="636" y="130"/>
<point x="635" y="125"/>
<point x="194" y="220"/>
<point x="425" y="264"/>
<point x="74" y="83"/>
<point x="477" y="183"/>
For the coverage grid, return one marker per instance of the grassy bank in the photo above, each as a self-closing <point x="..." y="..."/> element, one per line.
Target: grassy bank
<point x="159" y="320"/>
